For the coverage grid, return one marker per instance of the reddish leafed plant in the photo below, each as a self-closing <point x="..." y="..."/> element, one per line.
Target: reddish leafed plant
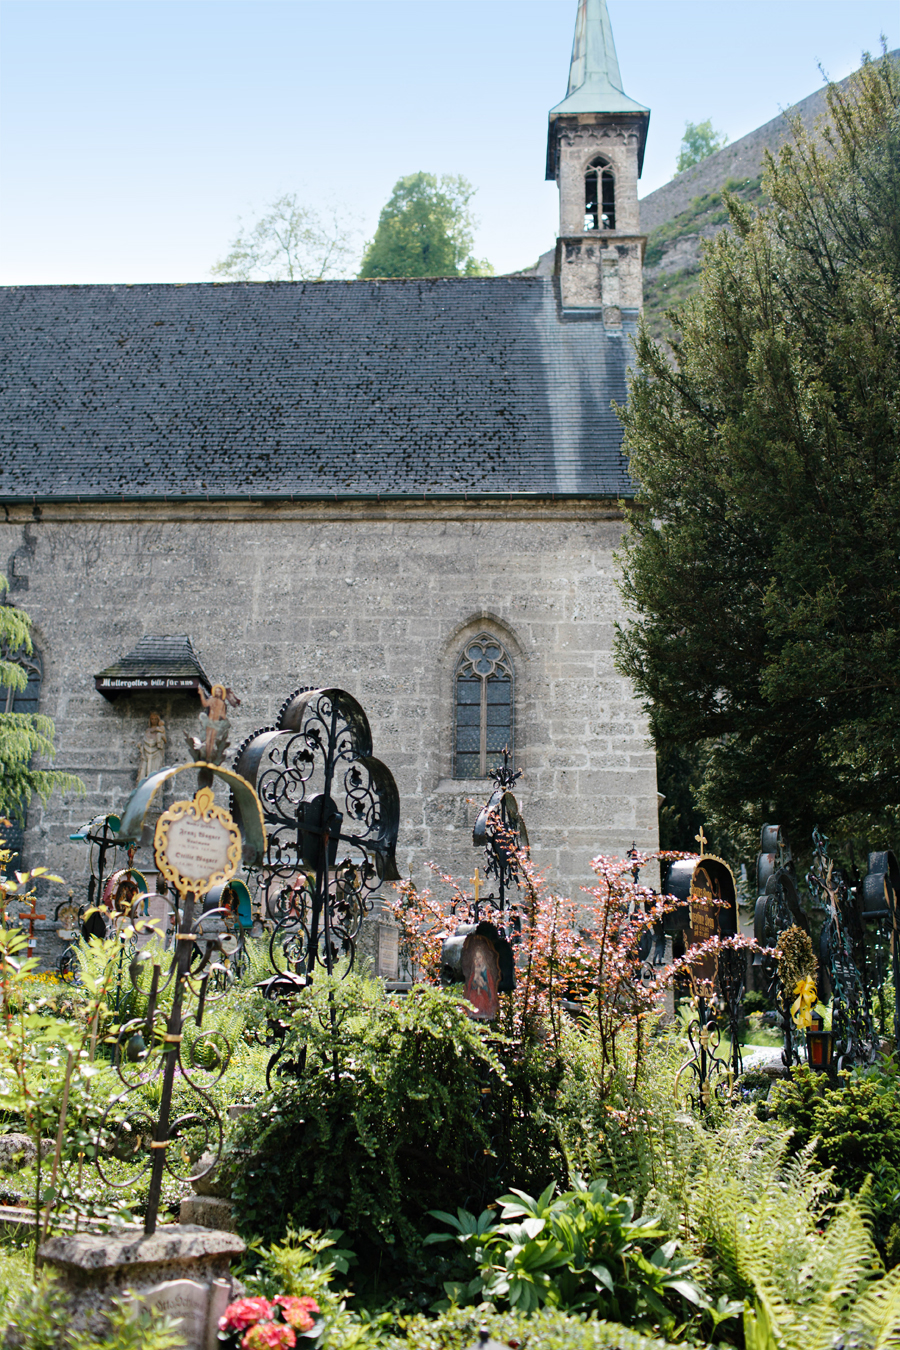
<point x="584" y="954"/>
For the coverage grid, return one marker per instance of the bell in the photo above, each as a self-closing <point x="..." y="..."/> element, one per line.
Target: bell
<point x="136" y="1048"/>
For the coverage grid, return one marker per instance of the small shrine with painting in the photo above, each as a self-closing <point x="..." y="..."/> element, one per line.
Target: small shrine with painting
<point x="707" y="890"/>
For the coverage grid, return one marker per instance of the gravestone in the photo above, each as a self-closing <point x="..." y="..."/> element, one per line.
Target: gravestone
<point x="388" y="952"/>
<point x="153" y="910"/>
<point x="181" y="1265"/>
<point x="188" y="1302"/>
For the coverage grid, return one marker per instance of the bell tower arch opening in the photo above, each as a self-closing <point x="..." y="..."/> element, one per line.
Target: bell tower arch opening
<point x="595" y="152"/>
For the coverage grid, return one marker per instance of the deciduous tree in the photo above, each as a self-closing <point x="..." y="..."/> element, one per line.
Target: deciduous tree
<point x="425" y="230"/>
<point x="699" y="141"/>
<point x="761" y="566"/>
<point x="291" y="242"/>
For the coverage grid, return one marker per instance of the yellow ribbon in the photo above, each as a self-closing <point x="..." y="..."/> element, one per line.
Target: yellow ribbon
<point x="801" y="1008"/>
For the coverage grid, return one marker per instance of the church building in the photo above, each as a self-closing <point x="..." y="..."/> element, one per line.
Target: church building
<point x="409" y="489"/>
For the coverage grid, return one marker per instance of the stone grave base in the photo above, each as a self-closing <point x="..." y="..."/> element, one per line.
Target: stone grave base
<point x="209" y="1211"/>
<point x="182" y="1270"/>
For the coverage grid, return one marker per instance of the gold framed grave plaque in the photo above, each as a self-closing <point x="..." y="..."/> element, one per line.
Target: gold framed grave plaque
<point x="197" y="844"/>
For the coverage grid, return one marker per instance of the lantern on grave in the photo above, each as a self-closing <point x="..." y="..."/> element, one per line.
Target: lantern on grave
<point x="818" y="1044"/>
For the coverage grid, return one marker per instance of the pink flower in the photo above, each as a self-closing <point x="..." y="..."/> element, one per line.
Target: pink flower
<point x="244" y="1312"/>
<point x="269" y="1336"/>
<point x="298" y="1312"/>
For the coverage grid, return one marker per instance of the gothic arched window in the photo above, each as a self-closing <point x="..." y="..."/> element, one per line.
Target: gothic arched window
<point x="20" y="701"/>
<point x="599" y="196"/>
<point x="484" y="708"/>
<point x="23" y="700"/>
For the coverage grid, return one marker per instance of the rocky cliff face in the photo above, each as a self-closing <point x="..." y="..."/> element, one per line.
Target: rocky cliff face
<point x="680" y="215"/>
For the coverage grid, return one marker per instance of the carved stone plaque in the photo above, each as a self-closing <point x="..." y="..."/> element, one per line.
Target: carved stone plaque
<point x="187" y="1300"/>
<point x="388" y="952"/>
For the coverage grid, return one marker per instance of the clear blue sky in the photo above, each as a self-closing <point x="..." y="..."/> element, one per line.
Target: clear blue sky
<point x="134" y="132"/>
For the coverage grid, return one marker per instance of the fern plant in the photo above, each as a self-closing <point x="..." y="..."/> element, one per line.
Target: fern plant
<point x="806" y="1268"/>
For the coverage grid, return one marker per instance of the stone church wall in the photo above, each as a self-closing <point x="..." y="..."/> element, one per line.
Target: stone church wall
<point x="375" y="598"/>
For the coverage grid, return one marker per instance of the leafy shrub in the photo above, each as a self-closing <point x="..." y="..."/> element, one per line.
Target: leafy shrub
<point x="756" y="1001"/>
<point x="806" y="1270"/>
<point x="547" y="1329"/>
<point x="625" y="1127"/>
<point x="408" y="1109"/>
<point x="39" y="1319"/>
<point x="854" y="1129"/>
<point x="583" y="1252"/>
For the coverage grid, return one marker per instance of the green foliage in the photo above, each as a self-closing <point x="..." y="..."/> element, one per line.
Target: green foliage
<point x="678" y="777"/>
<point x="806" y="1270"/>
<point x="425" y="230"/>
<point x="305" y="1264"/>
<point x="49" y="1072"/>
<point x="583" y="1252"/>
<point x="290" y="242"/>
<point x="40" y="1320"/>
<point x="397" y="1120"/>
<point x="634" y="1133"/>
<point x="854" y="1129"/>
<point x="133" y="1328"/>
<point x="698" y="142"/>
<point x="760" y="566"/>
<point x="546" y="1329"/>
<point x="23" y="736"/>
<point x="34" y="1314"/>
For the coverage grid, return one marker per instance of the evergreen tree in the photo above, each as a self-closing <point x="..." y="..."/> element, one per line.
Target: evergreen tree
<point x="23" y="735"/>
<point x="425" y="230"/>
<point x="761" y="564"/>
<point x="698" y="142"/>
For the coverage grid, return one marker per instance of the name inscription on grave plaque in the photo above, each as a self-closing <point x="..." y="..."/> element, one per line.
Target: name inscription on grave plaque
<point x="197" y="844"/>
<point x="198" y="848"/>
<point x="184" y="1300"/>
<point x="704" y="917"/>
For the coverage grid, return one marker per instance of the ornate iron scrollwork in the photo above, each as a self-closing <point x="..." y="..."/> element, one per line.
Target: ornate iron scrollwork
<point x="500" y="831"/>
<point x="709" y="1074"/>
<point x="881" y="910"/>
<point x="778" y="908"/>
<point x="843" y="960"/>
<point x="151" y="1048"/>
<point x="332" y="812"/>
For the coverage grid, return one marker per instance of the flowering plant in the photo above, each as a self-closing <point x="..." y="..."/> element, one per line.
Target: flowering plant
<point x="585" y="952"/>
<point x="260" y="1324"/>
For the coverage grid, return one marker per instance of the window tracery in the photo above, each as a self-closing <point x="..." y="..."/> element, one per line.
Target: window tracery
<point x="599" y="195"/>
<point x="28" y="699"/>
<point x="484" y="707"/>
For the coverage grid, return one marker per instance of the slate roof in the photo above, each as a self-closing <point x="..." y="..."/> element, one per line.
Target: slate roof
<point x="399" y="388"/>
<point x="158" y="654"/>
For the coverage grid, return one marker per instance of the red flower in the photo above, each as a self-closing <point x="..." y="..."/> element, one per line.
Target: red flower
<point x="269" y="1336"/>
<point x="298" y="1312"/>
<point x="245" y="1312"/>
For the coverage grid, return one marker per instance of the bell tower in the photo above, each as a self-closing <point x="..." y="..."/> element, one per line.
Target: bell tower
<point x="595" y="153"/>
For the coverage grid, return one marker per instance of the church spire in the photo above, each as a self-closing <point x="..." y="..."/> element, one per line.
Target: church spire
<point x="595" y="84"/>
<point x="595" y="150"/>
